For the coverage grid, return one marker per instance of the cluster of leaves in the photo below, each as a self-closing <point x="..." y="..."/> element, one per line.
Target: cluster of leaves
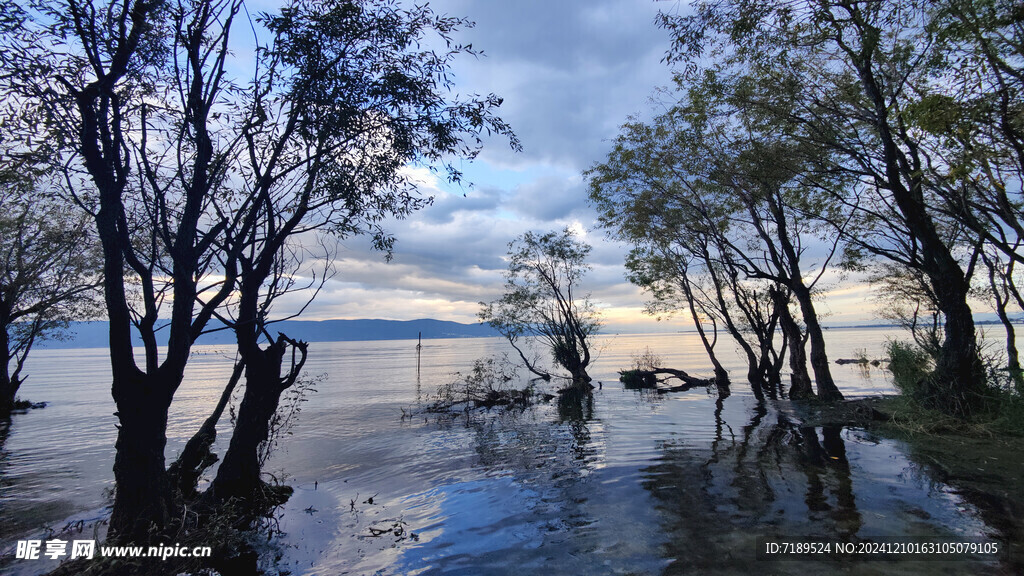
<point x="888" y="133"/>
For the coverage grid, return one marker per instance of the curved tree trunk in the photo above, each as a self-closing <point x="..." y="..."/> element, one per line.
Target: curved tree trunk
<point x="239" y="474"/>
<point x="196" y="457"/>
<point x="721" y="375"/>
<point x="800" y="380"/>
<point x="955" y="386"/>
<point x="238" y="477"/>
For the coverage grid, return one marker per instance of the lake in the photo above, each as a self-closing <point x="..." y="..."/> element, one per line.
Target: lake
<point x="625" y="482"/>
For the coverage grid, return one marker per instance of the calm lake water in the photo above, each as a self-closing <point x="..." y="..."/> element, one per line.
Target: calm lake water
<point x="626" y="482"/>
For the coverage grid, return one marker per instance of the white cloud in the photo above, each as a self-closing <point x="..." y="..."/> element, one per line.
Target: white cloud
<point x="570" y="74"/>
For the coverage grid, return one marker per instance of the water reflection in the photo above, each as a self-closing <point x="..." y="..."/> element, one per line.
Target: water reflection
<point x="617" y="481"/>
<point x="778" y="481"/>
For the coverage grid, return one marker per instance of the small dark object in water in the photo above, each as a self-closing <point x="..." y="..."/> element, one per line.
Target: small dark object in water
<point x="649" y="379"/>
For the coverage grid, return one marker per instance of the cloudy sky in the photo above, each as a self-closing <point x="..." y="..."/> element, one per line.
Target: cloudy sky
<point x="570" y="74"/>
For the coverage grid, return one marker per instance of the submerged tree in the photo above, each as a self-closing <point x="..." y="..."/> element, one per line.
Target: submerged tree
<point x="542" y="302"/>
<point x="198" y="172"/>
<point x="49" y="270"/>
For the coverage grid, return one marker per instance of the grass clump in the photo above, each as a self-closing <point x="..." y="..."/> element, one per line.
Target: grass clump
<point x="910" y="366"/>
<point x="638" y="375"/>
<point x="1001" y="411"/>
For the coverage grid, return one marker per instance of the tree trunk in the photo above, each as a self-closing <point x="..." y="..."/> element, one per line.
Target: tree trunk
<point x="827" y="389"/>
<point x="580" y="378"/>
<point x="142" y="503"/>
<point x="1002" y="298"/>
<point x="754" y="375"/>
<point x="959" y="376"/>
<point x="800" y="380"/>
<point x="239" y="474"/>
<point x="8" y="387"/>
<point x="197" y="456"/>
<point x="956" y="385"/>
<point x="721" y="375"/>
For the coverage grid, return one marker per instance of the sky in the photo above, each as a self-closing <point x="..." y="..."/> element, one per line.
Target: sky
<point x="570" y="74"/>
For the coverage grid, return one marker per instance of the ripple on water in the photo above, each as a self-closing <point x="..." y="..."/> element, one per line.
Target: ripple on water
<point x="623" y="482"/>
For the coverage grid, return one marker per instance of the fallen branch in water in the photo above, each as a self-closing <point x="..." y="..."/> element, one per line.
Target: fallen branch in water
<point x="649" y="379"/>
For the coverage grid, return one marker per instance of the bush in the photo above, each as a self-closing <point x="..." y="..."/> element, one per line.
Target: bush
<point x="1001" y="412"/>
<point x="647" y="360"/>
<point x="910" y="365"/>
<point x="487" y="384"/>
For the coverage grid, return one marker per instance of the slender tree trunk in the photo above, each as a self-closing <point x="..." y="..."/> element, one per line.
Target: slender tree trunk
<point x="197" y="456"/>
<point x="800" y="380"/>
<point x="998" y="284"/>
<point x="790" y="261"/>
<point x="754" y="374"/>
<point x="827" y="389"/>
<point x="529" y="365"/>
<point x="721" y="375"/>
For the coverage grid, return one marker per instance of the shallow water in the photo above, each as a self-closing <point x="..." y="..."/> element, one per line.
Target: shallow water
<point x="626" y="481"/>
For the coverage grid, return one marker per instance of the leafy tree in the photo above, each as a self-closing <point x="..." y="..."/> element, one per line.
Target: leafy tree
<point x="709" y="182"/>
<point x="198" y="173"/>
<point x="861" y="72"/>
<point x="542" y="302"/>
<point x="48" y="270"/>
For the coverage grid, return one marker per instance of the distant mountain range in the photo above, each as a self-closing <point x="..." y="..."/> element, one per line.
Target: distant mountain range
<point x="94" y="334"/>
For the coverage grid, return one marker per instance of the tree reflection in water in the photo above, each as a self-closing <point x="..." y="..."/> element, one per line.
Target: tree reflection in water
<point x="778" y="481"/>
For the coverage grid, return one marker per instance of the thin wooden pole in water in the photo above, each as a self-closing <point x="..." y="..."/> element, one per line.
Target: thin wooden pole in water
<point x="419" y="350"/>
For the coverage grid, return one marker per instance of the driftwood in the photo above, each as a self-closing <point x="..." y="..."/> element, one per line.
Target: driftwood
<point x="865" y="361"/>
<point x="650" y="379"/>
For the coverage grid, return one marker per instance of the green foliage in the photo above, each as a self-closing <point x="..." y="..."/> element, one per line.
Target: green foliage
<point x="1000" y="412"/>
<point x="49" y="268"/>
<point x="910" y="365"/>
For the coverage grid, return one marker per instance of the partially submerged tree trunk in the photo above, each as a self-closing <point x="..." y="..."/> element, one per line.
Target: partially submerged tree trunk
<point x="800" y="381"/>
<point x="721" y="375"/>
<point x="239" y="475"/>
<point x="8" y="385"/>
<point x="142" y="501"/>
<point x="827" y="389"/>
<point x="196" y="457"/>
<point x="649" y="379"/>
